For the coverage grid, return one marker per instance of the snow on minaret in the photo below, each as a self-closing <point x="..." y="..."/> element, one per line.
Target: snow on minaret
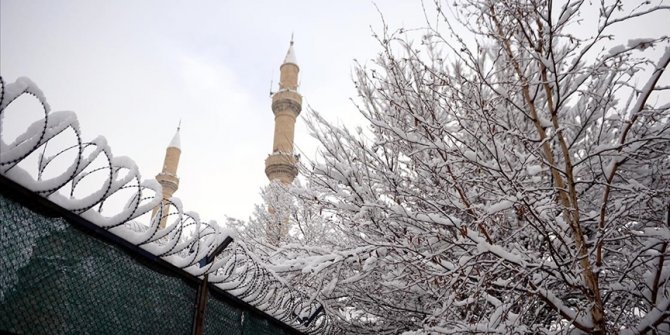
<point x="290" y="55"/>
<point x="176" y="140"/>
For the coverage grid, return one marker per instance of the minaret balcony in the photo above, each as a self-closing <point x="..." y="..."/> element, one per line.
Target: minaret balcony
<point x="169" y="182"/>
<point x="282" y="166"/>
<point x="287" y="100"/>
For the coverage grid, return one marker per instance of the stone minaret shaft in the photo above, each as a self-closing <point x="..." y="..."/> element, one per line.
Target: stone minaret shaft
<point x="286" y="106"/>
<point x="281" y="165"/>
<point x="168" y="177"/>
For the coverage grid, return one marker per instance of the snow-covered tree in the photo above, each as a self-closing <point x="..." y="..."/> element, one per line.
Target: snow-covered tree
<point x="288" y="215"/>
<point x="516" y="182"/>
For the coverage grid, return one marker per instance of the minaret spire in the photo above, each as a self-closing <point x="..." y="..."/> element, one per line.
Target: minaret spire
<point x="176" y="141"/>
<point x="168" y="176"/>
<point x="290" y="56"/>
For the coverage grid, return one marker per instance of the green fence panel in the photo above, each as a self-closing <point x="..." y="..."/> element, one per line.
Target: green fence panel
<point x="257" y="326"/>
<point x="57" y="279"/>
<point x="222" y="318"/>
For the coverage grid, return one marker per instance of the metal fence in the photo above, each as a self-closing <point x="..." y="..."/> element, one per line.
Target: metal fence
<point x="65" y="276"/>
<point x="70" y="265"/>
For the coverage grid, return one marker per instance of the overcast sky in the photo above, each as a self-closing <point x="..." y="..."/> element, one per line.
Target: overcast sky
<point x="132" y="69"/>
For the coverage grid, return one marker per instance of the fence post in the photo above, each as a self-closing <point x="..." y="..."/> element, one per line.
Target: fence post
<point x="200" y="306"/>
<point x="203" y="288"/>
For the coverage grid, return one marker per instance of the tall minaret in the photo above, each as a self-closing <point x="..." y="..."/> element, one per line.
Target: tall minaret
<point x="281" y="165"/>
<point x="168" y="177"/>
<point x="286" y="106"/>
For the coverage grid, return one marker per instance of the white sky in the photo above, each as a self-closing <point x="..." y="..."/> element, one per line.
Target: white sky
<point x="131" y="69"/>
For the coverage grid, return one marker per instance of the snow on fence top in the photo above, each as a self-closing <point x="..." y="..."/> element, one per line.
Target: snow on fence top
<point x="186" y="240"/>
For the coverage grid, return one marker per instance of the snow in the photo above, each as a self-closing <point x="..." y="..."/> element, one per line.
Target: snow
<point x="471" y="155"/>
<point x="533" y="169"/>
<point x="501" y="206"/>
<point x="640" y="43"/>
<point x="604" y="147"/>
<point x="330" y="287"/>
<point x="662" y="233"/>
<point x="20" y="86"/>
<point x="184" y="242"/>
<point x="565" y="310"/>
<point x="22" y="177"/>
<point x="566" y="13"/>
<point x="176" y="141"/>
<point x="650" y="84"/>
<point x="657" y="313"/>
<point x="544" y="122"/>
<point x="369" y="263"/>
<point x="290" y="56"/>
<point x="612" y="164"/>
<point x="617" y="50"/>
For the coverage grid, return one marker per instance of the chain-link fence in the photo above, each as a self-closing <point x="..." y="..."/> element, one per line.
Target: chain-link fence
<point x="57" y="278"/>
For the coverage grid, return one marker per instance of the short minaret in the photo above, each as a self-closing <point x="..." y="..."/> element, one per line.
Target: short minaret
<point x="168" y="177"/>
<point x="286" y="106"/>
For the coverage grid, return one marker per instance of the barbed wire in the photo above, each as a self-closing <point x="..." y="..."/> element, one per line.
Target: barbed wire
<point x="186" y="241"/>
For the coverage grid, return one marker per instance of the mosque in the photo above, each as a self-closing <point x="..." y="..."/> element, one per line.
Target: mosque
<point x="280" y="165"/>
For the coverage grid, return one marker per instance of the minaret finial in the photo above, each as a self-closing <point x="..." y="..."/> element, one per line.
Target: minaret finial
<point x="176" y="141"/>
<point x="291" y="38"/>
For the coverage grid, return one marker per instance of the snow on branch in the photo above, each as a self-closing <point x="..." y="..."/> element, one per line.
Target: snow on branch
<point x="515" y="182"/>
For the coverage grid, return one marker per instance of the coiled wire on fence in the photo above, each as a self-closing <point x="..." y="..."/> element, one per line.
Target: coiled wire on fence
<point x="185" y="241"/>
